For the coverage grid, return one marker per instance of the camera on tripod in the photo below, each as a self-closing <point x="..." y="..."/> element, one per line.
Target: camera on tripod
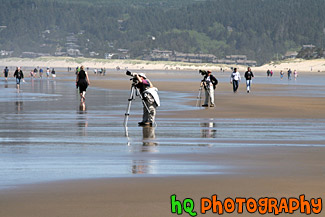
<point x="134" y="79"/>
<point x="203" y="72"/>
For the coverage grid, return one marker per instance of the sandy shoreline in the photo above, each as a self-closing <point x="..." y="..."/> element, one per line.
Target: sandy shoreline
<point x="273" y="171"/>
<point x="302" y="66"/>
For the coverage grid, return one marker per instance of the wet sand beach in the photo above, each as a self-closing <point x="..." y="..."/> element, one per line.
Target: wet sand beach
<point x="60" y="158"/>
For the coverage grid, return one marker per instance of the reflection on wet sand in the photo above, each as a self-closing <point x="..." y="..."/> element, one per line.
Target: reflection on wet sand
<point x="149" y="137"/>
<point x="19" y="106"/>
<point x="82" y="119"/>
<point x="208" y="130"/>
<point x="149" y="145"/>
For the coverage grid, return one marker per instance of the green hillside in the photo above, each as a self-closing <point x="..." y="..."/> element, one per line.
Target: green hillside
<point x="260" y="29"/>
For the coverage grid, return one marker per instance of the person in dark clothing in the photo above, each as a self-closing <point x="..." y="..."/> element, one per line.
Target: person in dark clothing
<point x="6" y="72"/>
<point x="19" y="75"/>
<point x="53" y="73"/>
<point x="289" y="74"/>
<point x="209" y="83"/>
<point x="82" y="81"/>
<point x="248" y="75"/>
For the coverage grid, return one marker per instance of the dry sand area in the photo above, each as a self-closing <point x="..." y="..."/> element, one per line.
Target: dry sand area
<point x="270" y="171"/>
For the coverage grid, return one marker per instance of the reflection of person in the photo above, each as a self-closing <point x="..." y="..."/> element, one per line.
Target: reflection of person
<point x="82" y="119"/>
<point x="19" y="75"/>
<point x="150" y="99"/>
<point x="209" y="83"/>
<point x="149" y="145"/>
<point x="19" y="106"/>
<point x="235" y="79"/>
<point x="149" y="136"/>
<point x="248" y="75"/>
<point x="208" y="130"/>
<point x="82" y="81"/>
<point x="6" y="72"/>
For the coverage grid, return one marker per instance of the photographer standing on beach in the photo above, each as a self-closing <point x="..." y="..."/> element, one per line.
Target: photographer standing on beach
<point x="248" y="75"/>
<point x="209" y="83"/>
<point x="150" y="99"/>
<point x="235" y="79"/>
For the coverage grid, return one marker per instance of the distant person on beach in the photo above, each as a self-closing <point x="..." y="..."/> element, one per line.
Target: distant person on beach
<point x="249" y="76"/>
<point x="47" y="72"/>
<point x="268" y="73"/>
<point x="6" y="72"/>
<point x="19" y="75"/>
<point x="209" y="83"/>
<point x="295" y="74"/>
<point x="289" y="74"/>
<point x="150" y="99"/>
<point x="35" y="72"/>
<point x="281" y="74"/>
<point x="41" y="73"/>
<point x="235" y="79"/>
<point x="82" y="81"/>
<point x="53" y="73"/>
<point x="77" y="70"/>
<point x="271" y="73"/>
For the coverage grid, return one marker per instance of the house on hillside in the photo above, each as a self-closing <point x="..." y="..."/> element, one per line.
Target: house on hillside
<point x="290" y="55"/>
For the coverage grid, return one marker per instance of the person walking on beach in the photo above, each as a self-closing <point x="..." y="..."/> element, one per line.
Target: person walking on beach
<point x="281" y="74"/>
<point x="150" y="99"/>
<point x="235" y="79"/>
<point x="289" y="74"/>
<point x="47" y="72"/>
<point x="19" y="75"/>
<point x="6" y="73"/>
<point x="53" y="73"/>
<point x="248" y="75"/>
<point x="295" y="74"/>
<point x="82" y="81"/>
<point x="35" y="72"/>
<point x="41" y="73"/>
<point x="209" y="83"/>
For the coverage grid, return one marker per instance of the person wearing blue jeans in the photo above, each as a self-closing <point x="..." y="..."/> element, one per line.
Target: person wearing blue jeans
<point x="19" y="75"/>
<point x="235" y="79"/>
<point x="248" y="75"/>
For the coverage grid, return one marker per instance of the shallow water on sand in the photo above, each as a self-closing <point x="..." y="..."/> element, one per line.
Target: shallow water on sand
<point x="47" y="135"/>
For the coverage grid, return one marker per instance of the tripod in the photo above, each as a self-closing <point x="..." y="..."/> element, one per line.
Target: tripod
<point x="133" y="93"/>
<point x="199" y="97"/>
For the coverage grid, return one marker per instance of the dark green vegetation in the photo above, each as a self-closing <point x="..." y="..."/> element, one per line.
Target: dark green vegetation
<point x="260" y="29"/>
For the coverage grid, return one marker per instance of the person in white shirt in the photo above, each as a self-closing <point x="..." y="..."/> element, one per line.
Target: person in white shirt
<point x="235" y="79"/>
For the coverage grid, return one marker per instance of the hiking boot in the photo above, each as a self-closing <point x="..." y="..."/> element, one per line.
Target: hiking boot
<point x="145" y="124"/>
<point x="205" y="105"/>
<point x="212" y="105"/>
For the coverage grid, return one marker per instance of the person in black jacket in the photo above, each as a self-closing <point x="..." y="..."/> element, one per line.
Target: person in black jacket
<point x="19" y="75"/>
<point x="248" y="75"/>
<point x="209" y="83"/>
